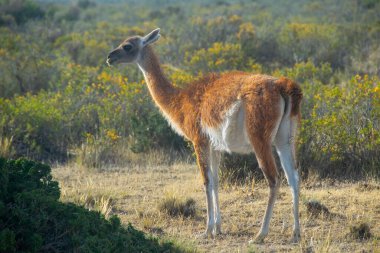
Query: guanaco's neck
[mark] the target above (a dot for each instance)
(162, 91)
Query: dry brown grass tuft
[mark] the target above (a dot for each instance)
(6, 149)
(102, 157)
(315, 208)
(366, 186)
(101, 203)
(174, 206)
(360, 232)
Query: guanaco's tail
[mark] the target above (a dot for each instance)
(291, 89)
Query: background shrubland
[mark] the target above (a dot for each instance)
(59, 100)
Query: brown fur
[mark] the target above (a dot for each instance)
(291, 89)
(207, 100)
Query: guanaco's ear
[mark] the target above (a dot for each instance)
(153, 36)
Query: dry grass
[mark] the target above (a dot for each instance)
(315, 208)
(360, 232)
(136, 194)
(99, 156)
(175, 206)
(6, 149)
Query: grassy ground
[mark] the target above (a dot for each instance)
(135, 195)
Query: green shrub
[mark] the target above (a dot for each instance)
(100, 151)
(91, 106)
(19, 11)
(24, 71)
(218, 57)
(33, 220)
(319, 42)
(36, 124)
(308, 72)
(340, 133)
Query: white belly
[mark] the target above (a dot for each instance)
(231, 135)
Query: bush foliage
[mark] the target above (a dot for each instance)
(58, 99)
(33, 220)
(340, 135)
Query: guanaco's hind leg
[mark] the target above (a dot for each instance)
(267, 164)
(284, 143)
(262, 124)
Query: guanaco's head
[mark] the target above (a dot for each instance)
(131, 49)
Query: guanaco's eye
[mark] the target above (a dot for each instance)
(127, 47)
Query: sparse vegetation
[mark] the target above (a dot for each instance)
(360, 232)
(137, 192)
(174, 206)
(315, 208)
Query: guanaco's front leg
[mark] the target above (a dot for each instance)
(203, 153)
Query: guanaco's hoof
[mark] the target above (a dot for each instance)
(296, 237)
(218, 231)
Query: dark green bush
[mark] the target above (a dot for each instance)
(33, 220)
(19, 11)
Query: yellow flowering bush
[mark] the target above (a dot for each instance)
(97, 114)
(301, 41)
(219, 57)
(340, 131)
